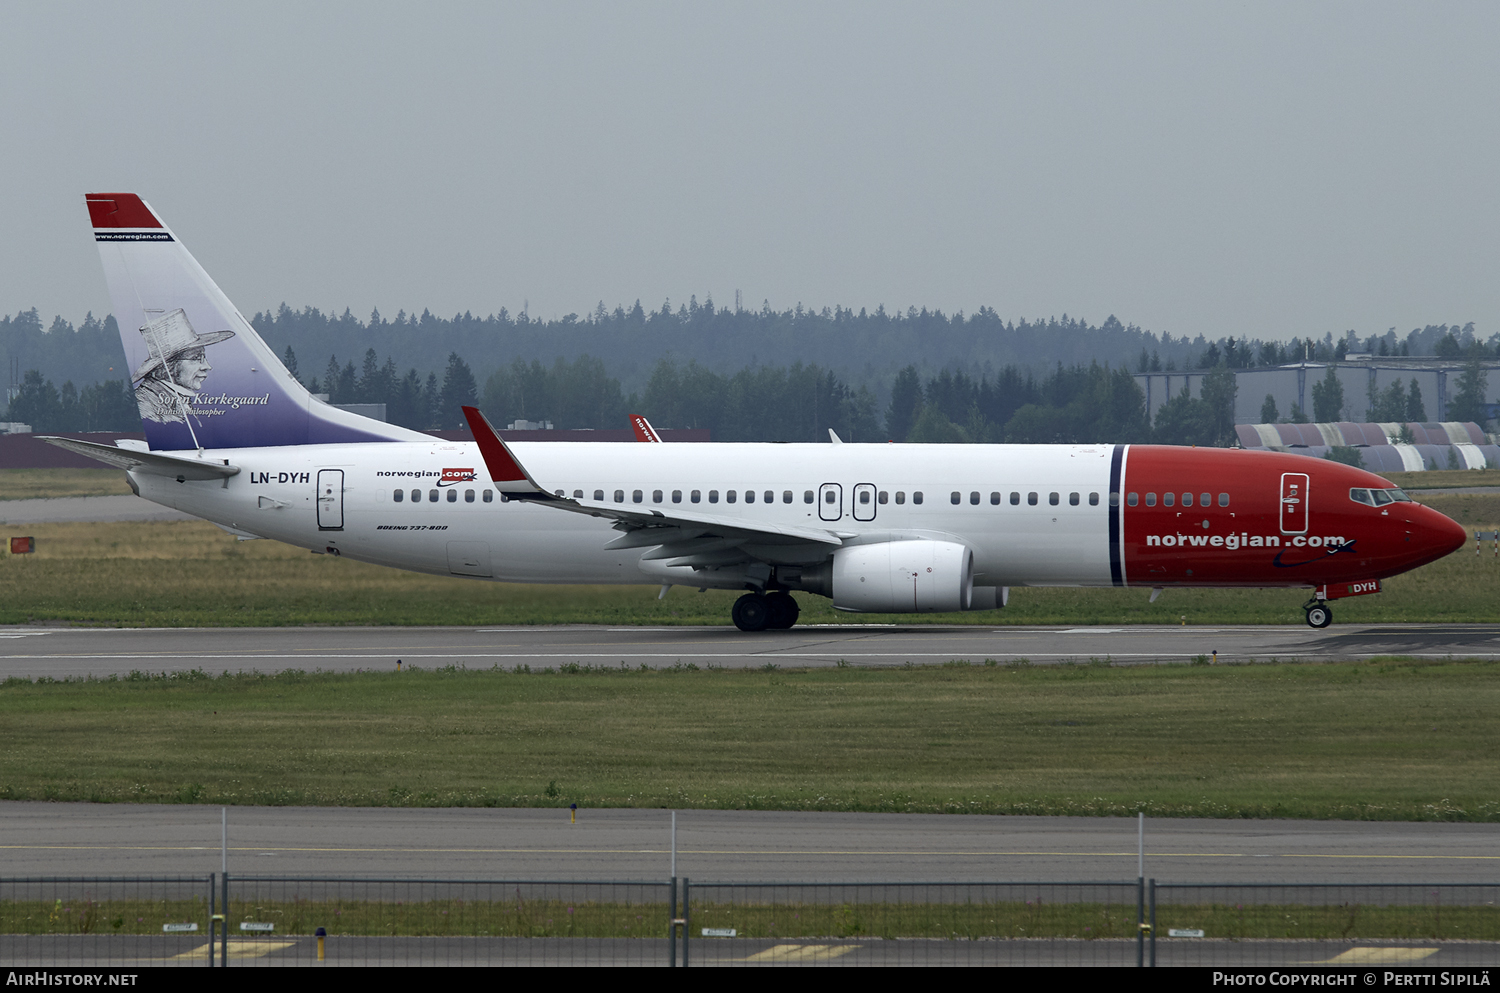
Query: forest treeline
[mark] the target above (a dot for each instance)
(862, 347)
(1051, 398)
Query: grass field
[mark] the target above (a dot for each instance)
(1385, 741)
(31, 484)
(190, 573)
(515, 917)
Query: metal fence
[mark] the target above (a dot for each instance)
(249, 921)
(1348, 924)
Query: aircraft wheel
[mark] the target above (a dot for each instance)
(751, 612)
(1319, 615)
(783, 611)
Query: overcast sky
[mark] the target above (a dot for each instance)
(1257, 169)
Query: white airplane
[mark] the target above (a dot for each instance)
(234, 438)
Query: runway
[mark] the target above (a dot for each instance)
(74, 839)
(34, 652)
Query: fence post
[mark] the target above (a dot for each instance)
(687, 931)
(1140, 921)
(213, 919)
(672, 926)
(1153, 923)
(224, 932)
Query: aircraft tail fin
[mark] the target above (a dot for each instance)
(202, 376)
(643, 429)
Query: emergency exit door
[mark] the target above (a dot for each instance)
(330, 499)
(1294, 487)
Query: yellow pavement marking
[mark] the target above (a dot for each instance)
(800, 953)
(1374, 956)
(730, 851)
(239, 948)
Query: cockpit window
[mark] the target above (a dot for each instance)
(1361, 496)
(1398, 495)
(1382, 497)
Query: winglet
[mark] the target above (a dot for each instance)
(643, 429)
(506, 471)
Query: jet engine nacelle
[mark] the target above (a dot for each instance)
(903, 577)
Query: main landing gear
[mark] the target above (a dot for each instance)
(1319, 614)
(765, 611)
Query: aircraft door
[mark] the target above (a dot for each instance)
(864, 502)
(330, 499)
(1294, 490)
(831, 502)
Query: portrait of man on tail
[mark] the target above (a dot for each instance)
(168, 382)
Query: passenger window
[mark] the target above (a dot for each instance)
(1223, 499)
(656, 496)
(1205, 499)
(676, 496)
(1187, 499)
(900, 496)
(1168, 499)
(770, 496)
(786, 496)
(884, 497)
(995, 499)
(578, 494)
(1052, 498)
(453, 496)
(728, 496)
(1072, 499)
(619, 496)
(807, 496)
(916, 496)
(1151, 499)
(1015, 498)
(749, 496)
(864, 497)
(696, 496)
(416, 496)
(558, 492)
(1131, 500)
(636, 496)
(398, 496)
(955, 498)
(1093, 499)
(1031, 498)
(713, 496)
(974, 498)
(829, 497)
(598, 494)
(489, 496)
(468, 496)
(432, 496)
(1114, 498)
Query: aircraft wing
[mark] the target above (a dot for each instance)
(682, 532)
(156, 463)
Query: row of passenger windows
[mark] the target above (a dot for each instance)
(1170, 499)
(434, 495)
(831, 496)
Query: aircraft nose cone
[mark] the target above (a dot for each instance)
(1440, 533)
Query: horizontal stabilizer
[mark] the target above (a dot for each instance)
(156, 463)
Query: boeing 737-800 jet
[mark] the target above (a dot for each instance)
(232, 437)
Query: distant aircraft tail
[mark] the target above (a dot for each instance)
(643, 429)
(202, 377)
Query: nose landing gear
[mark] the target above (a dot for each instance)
(762, 611)
(1319, 614)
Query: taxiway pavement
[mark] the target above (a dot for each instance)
(73, 839)
(33, 652)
